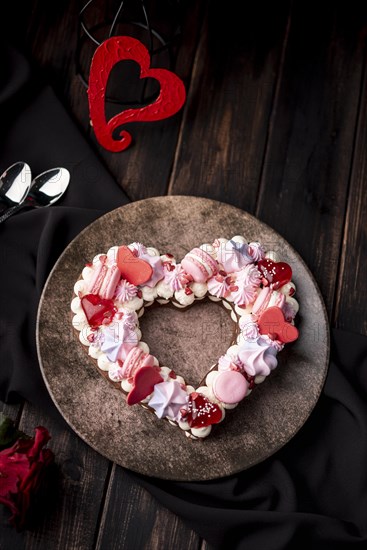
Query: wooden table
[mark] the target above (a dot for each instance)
(274, 123)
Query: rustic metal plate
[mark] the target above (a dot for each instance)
(187, 341)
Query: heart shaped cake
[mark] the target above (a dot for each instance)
(252, 284)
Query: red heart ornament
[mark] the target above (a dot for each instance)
(201, 412)
(272, 322)
(170, 100)
(98, 311)
(133, 269)
(143, 384)
(276, 273)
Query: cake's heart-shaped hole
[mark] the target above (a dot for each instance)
(189, 341)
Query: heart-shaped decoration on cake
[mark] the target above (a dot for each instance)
(133, 269)
(115, 289)
(277, 274)
(201, 412)
(143, 384)
(170, 100)
(98, 311)
(272, 322)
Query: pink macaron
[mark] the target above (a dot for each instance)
(98, 276)
(230, 387)
(200, 265)
(266, 298)
(135, 360)
(110, 282)
(104, 280)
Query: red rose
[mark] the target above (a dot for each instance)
(21, 471)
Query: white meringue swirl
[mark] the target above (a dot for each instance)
(258, 357)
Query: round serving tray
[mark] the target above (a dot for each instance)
(189, 342)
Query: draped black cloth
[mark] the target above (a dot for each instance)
(312, 492)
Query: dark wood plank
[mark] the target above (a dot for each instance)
(226, 118)
(70, 510)
(351, 305)
(143, 523)
(49, 26)
(304, 184)
(11, 411)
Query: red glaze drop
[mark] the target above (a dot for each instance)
(201, 412)
(276, 273)
(98, 311)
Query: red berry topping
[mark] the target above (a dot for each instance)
(172, 374)
(188, 291)
(170, 266)
(250, 379)
(89, 264)
(223, 273)
(98, 311)
(201, 412)
(169, 255)
(139, 294)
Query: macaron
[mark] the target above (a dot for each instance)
(200, 265)
(110, 282)
(104, 280)
(135, 360)
(97, 278)
(230, 386)
(266, 298)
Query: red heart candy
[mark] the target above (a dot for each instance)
(133, 269)
(170, 100)
(143, 384)
(201, 412)
(272, 322)
(98, 311)
(276, 273)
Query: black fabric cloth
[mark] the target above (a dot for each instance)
(36, 129)
(312, 492)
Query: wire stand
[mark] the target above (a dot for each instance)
(160, 32)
